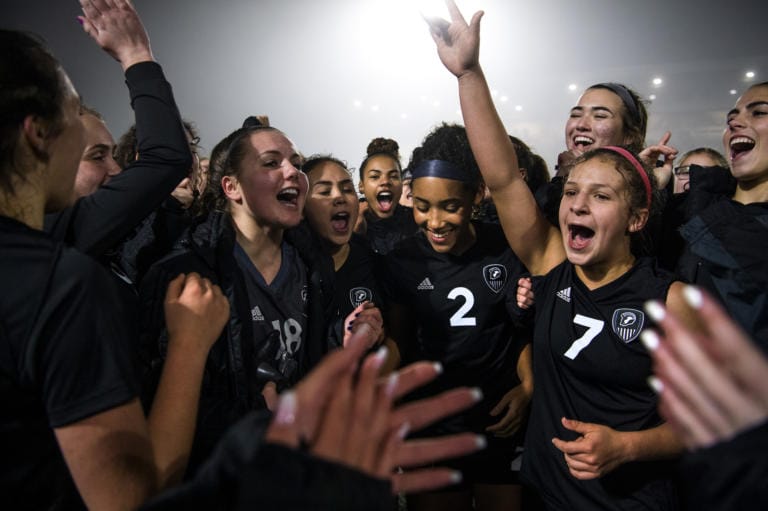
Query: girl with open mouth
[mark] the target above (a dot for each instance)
(595, 439)
(383, 221)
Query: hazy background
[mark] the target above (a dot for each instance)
(335, 73)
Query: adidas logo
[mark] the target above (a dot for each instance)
(256, 314)
(425, 285)
(565, 294)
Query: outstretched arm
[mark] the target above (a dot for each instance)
(536, 242)
(99, 221)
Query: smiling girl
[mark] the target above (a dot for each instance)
(595, 438)
(452, 289)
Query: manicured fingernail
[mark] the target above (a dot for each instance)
(403, 430)
(481, 442)
(655, 310)
(286, 409)
(380, 356)
(655, 384)
(392, 383)
(650, 340)
(79, 20)
(477, 394)
(438, 367)
(349, 326)
(456, 477)
(692, 295)
(357, 314)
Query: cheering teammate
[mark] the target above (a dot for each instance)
(452, 288)
(595, 439)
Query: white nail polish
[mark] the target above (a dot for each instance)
(392, 380)
(692, 296)
(456, 477)
(286, 409)
(438, 367)
(655, 310)
(477, 394)
(650, 340)
(655, 384)
(481, 442)
(380, 356)
(403, 430)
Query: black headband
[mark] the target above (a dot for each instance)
(441, 168)
(626, 98)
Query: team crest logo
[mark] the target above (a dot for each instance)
(627, 323)
(358, 295)
(304, 293)
(495, 276)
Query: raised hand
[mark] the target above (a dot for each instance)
(117, 29)
(458, 44)
(653, 154)
(712, 380)
(349, 418)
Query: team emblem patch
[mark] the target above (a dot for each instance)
(495, 276)
(358, 295)
(627, 323)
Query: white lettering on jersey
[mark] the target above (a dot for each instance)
(290, 335)
(594, 327)
(459, 318)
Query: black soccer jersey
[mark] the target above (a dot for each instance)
(463, 307)
(278, 311)
(589, 365)
(355, 283)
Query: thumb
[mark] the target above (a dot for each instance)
(283, 428)
(474, 24)
(574, 425)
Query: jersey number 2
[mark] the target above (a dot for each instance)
(594, 327)
(460, 318)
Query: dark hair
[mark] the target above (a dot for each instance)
(225, 160)
(31, 83)
(85, 109)
(641, 242)
(128, 146)
(537, 173)
(312, 162)
(714, 154)
(449, 142)
(380, 146)
(634, 116)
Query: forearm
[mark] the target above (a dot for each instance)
(101, 220)
(173, 416)
(525, 369)
(651, 444)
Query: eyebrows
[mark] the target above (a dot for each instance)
(581, 109)
(326, 182)
(750, 106)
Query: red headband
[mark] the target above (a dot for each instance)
(640, 170)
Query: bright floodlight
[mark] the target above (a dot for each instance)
(750, 74)
(657, 81)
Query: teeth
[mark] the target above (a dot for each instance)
(742, 140)
(583, 140)
(293, 192)
(385, 195)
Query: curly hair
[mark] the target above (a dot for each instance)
(380, 146)
(449, 142)
(127, 147)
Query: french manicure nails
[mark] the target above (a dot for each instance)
(655, 310)
(456, 477)
(650, 340)
(392, 383)
(438, 367)
(286, 409)
(403, 430)
(692, 295)
(477, 394)
(481, 442)
(655, 384)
